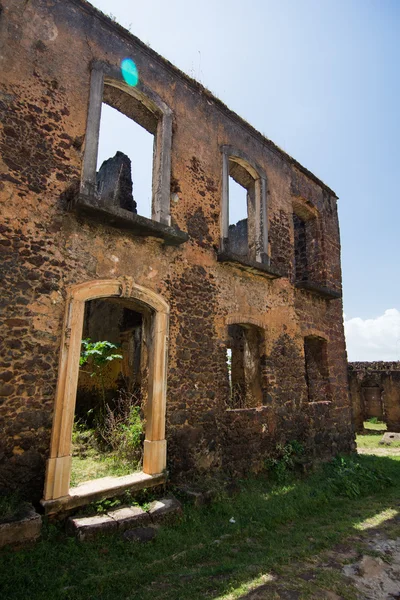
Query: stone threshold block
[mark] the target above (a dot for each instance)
(23, 528)
(123, 519)
(100, 489)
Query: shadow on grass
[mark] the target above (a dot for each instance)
(290, 588)
(206, 555)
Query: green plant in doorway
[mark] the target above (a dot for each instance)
(98, 355)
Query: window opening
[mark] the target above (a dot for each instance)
(317, 372)
(124, 163)
(244, 370)
(238, 220)
(241, 200)
(300, 248)
(229, 367)
(308, 248)
(108, 430)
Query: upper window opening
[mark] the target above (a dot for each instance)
(238, 220)
(241, 197)
(300, 248)
(124, 163)
(308, 255)
(127, 160)
(244, 216)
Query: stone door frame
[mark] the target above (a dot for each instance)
(58, 471)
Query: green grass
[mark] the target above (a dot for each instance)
(98, 464)
(89, 461)
(372, 442)
(204, 555)
(375, 425)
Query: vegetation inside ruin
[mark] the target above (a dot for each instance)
(256, 536)
(373, 441)
(108, 438)
(375, 424)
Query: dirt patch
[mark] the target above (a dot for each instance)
(378, 577)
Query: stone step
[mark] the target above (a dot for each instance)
(124, 518)
(23, 528)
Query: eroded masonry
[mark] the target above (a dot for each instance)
(230, 327)
(375, 393)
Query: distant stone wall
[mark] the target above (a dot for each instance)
(375, 392)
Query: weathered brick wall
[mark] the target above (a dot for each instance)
(383, 379)
(44, 97)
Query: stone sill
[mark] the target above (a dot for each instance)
(99, 489)
(318, 290)
(246, 264)
(88, 206)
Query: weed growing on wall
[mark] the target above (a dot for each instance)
(288, 458)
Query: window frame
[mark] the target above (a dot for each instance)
(258, 216)
(103, 74)
(253, 333)
(309, 215)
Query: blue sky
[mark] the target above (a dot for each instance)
(321, 79)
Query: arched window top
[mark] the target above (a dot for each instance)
(245, 320)
(147, 96)
(245, 161)
(304, 209)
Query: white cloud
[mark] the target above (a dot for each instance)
(374, 339)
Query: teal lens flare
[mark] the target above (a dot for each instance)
(129, 71)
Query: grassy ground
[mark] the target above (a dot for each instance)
(371, 442)
(91, 462)
(219, 552)
(97, 464)
(375, 425)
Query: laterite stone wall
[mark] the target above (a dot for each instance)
(47, 49)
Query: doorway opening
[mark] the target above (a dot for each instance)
(109, 423)
(123, 293)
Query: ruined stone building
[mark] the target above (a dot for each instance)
(233, 330)
(375, 393)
